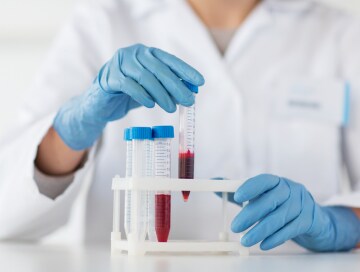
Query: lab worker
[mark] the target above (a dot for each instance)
(278, 94)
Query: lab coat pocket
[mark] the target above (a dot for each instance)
(305, 139)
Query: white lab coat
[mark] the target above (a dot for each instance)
(275, 103)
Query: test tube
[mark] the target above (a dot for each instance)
(187, 140)
(141, 139)
(162, 136)
(151, 196)
(128, 170)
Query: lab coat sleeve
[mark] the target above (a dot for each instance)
(52, 186)
(349, 59)
(78, 53)
(25, 213)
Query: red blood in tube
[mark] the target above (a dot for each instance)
(162, 216)
(186, 169)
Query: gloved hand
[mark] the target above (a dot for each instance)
(135, 76)
(286, 210)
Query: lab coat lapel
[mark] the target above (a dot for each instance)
(259, 19)
(263, 17)
(141, 8)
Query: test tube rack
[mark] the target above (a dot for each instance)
(222, 245)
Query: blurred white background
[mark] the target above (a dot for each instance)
(27, 28)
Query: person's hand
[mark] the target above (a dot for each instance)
(281, 210)
(134, 76)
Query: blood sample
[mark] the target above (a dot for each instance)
(162, 216)
(187, 140)
(186, 169)
(162, 168)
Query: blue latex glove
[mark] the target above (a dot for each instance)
(286, 210)
(135, 76)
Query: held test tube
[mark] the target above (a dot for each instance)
(141, 139)
(162, 168)
(187, 140)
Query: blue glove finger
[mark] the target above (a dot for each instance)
(131, 104)
(256, 186)
(283, 235)
(132, 68)
(168, 79)
(136, 92)
(113, 85)
(261, 207)
(179, 67)
(294, 228)
(277, 219)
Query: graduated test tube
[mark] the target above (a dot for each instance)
(162, 136)
(187, 140)
(151, 196)
(141, 139)
(128, 170)
(116, 204)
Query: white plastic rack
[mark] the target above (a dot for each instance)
(222, 245)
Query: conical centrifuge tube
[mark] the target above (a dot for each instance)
(162, 136)
(187, 140)
(141, 139)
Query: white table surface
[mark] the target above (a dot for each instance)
(52, 258)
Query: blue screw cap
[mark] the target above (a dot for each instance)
(140, 133)
(127, 134)
(163, 132)
(191, 87)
